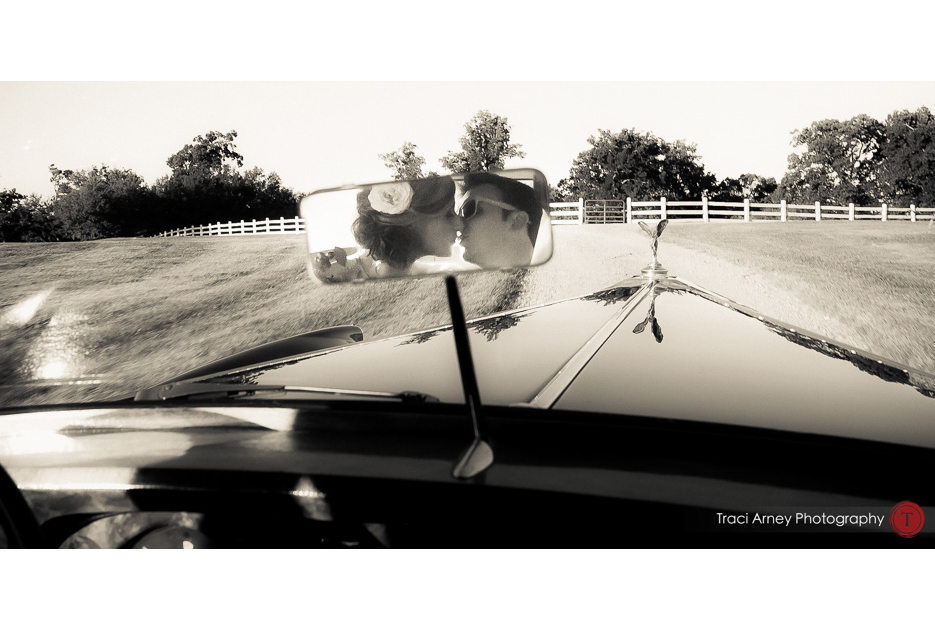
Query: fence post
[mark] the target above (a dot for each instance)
(818, 211)
(662, 209)
(783, 211)
(580, 210)
(912, 212)
(746, 210)
(850, 215)
(704, 209)
(885, 210)
(629, 210)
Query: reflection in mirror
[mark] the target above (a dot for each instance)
(448, 224)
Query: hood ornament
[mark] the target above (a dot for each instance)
(655, 270)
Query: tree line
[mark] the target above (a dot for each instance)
(861, 161)
(206, 185)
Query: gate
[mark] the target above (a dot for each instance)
(605, 211)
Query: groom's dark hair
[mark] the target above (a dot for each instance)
(515, 193)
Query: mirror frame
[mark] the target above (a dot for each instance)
(543, 249)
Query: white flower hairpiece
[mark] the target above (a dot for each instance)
(391, 198)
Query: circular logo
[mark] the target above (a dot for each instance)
(907, 519)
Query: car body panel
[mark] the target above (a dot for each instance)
(703, 358)
(514, 353)
(717, 364)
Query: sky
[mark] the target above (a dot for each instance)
(321, 134)
(316, 93)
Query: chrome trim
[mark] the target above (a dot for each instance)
(340, 392)
(553, 390)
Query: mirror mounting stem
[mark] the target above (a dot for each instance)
(478, 456)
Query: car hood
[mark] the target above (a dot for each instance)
(666, 349)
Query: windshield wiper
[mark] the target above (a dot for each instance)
(214, 391)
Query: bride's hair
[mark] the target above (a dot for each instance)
(392, 238)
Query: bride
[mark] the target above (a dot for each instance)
(402, 228)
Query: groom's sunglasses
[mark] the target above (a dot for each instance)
(470, 207)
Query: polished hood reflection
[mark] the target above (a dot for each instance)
(715, 363)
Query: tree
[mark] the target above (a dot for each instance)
(558, 195)
(484, 147)
(205, 186)
(758, 188)
(61, 180)
(265, 196)
(26, 219)
(839, 163)
(637, 165)
(404, 162)
(100, 202)
(210, 154)
(748, 186)
(907, 170)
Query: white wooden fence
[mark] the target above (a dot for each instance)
(236, 228)
(564, 216)
(614, 211)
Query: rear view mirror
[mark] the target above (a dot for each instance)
(433, 225)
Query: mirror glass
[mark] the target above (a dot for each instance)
(433, 225)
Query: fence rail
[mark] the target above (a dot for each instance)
(561, 213)
(616, 211)
(295, 225)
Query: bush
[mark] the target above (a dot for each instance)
(27, 219)
(100, 202)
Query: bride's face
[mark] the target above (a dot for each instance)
(438, 232)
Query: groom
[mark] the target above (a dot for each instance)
(504, 224)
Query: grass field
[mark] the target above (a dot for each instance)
(134, 312)
(144, 310)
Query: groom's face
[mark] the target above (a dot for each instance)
(486, 234)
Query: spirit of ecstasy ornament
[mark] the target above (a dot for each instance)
(655, 270)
